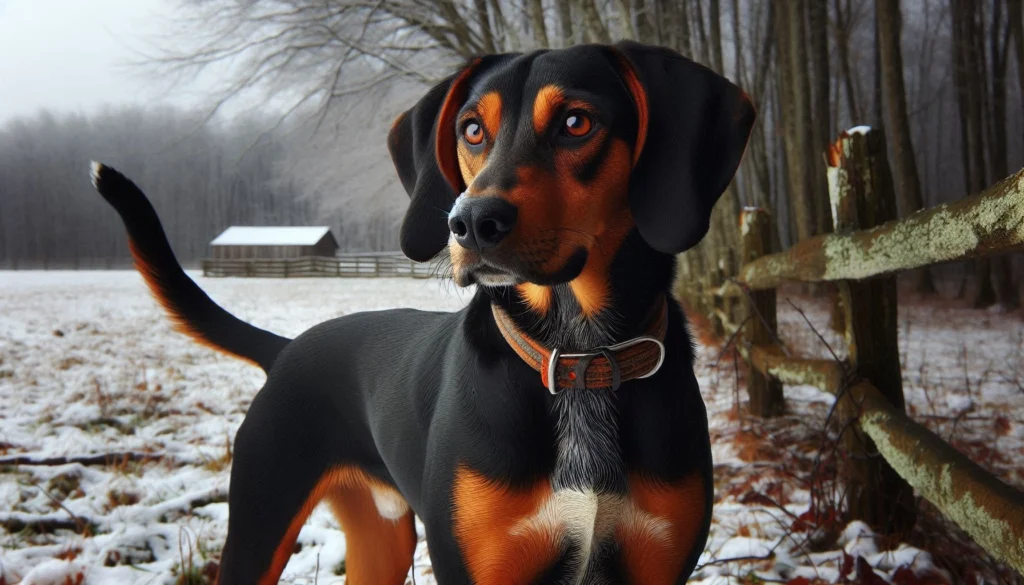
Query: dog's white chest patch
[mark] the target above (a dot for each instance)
(589, 520)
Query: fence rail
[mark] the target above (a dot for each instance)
(867, 248)
(988, 223)
(365, 265)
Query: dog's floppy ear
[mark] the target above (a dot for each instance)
(697, 126)
(422, 144)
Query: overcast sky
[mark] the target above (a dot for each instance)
(76, 55)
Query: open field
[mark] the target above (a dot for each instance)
(90, 367)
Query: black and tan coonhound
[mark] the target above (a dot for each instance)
(553, 430)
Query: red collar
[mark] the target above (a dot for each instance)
(602, 367)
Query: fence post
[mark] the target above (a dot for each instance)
(755, 239)
(862, 196)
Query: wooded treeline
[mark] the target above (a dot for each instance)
(201, 178)
(942, 78)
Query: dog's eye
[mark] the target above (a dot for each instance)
(473, 133)
(578, 124)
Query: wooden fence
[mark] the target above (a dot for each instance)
(887, 454)
(360, 265)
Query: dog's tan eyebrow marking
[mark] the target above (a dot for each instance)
(548, 101)
(489, 110)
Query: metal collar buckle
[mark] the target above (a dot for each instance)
(609, 354)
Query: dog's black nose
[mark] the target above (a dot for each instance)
(482, 222)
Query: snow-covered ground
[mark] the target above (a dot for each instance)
(90, 367)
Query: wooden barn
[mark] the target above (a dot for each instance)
(265, 242)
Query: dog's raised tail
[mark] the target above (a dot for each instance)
(190, 309)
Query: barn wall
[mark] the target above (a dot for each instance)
(325, 247)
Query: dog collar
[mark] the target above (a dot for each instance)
(602, 367)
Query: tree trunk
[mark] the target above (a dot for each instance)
(719, 248)
(540, 31)
(564, 21)
(969, 99)
(701, 53)
(645, 28)
(985, 295)
(728, 207)
(502, 37)
(1002, 275)
(484, 22)
(715, 28)
(891, 55)
(877, 108)
(842, 37)
(626, 28)
(758, 143)
(683, 42)
(818, 20)
(999, 43)
(595, 26)
(960, 65)
(794, 93)
(737, 43)
(821, 133)
(1017, 32)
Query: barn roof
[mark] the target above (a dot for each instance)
(270, 236)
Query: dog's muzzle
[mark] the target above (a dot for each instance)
(479, 223)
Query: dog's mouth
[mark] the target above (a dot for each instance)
(496, 269)
(486, 275)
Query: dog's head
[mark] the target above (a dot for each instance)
(534, 168)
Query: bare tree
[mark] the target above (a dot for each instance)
(715, 40)
(680, 23)
(310, 53)
(818, 28)
(565, 22)
(970, 80)
(843, 29)
(540, 32)
(794, 96)
(1017, 32)
(999, 44)
(821, 83)
(596, 28)
(909, 183)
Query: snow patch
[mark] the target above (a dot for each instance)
(117, 378)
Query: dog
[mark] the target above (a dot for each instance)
(552, 431)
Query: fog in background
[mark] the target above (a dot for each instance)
(276, 112)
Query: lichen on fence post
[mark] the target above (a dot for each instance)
(862, 196)
(990, 222)
(986, 508)
(755, 238)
